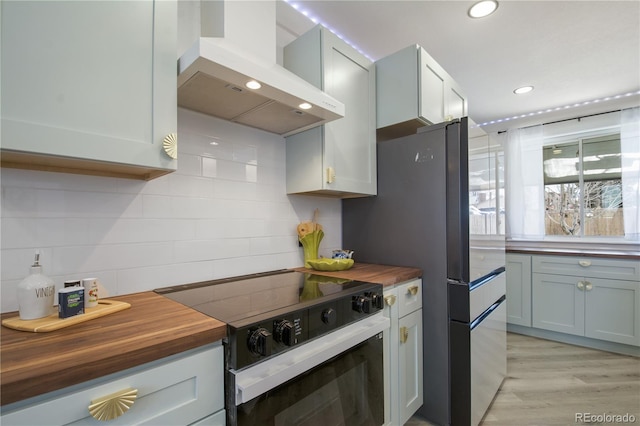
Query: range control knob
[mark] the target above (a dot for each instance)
(329, 316)
(376, 299)
(283, 332)
(361, 304)
(259, 342)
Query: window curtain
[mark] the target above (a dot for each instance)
(630, 147)
(524, 183)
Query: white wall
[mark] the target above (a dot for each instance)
(224, 213)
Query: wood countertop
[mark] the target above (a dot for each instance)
(153, 328)
(379, 274)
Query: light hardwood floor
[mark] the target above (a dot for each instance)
(550, 383)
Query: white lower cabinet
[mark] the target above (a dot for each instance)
(180, 390)
(403, 352)
(591, 297)
(519, 289)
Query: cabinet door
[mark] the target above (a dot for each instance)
(558, 303)
(433, 93)
(338, 158)
(455, 101)
(350, 143)
(612, 310)
(92, 83)
(519, 289)
(410, 365)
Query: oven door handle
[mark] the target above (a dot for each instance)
(254, 381)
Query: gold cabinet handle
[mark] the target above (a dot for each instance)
(404, 334)
(584, 263)
(331, 175)
(170, 145)
(588, 286)
(580, 285)
(390, 299)
(413, 290)
(114, 405)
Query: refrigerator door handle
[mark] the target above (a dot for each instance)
(488, 312)
(491, 275)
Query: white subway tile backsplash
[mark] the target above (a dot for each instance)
(190, 165)
(209, 167)
(18, 201)
(190, 186)
(18, 232)
(223, 213)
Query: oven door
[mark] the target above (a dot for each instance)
(346, 388)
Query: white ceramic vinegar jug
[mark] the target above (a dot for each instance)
(36, 293)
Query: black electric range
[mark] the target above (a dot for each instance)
(271, 312)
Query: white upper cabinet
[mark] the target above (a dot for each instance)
(89, 87)
(338, 158)
(413, 91)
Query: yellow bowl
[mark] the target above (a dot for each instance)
(326, 264)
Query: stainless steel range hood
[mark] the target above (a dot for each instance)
(214, 71)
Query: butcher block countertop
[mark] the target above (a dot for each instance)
(153, 328)
(379, 274)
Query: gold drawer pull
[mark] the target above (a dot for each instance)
(413, 290)
(113, 406)
(390, 299)
(584, 263)
(404, 334)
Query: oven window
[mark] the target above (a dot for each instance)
(346, 390)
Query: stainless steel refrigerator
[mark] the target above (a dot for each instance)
(439, 208)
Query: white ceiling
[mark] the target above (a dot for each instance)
(571, 51)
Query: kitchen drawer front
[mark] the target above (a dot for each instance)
(409, 297)
(217, 419)
(617, 269)
(177, 392)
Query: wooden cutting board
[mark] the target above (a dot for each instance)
(52, 322)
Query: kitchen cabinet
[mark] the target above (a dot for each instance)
(587, 296)
(182, 389)
(403, 351)
(89, 87)
(413, 91)
(519, 289)
(338, 158)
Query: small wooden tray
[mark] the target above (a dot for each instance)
(52, 322)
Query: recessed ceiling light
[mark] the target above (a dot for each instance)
(254, 85)
(305, 105)
(483, 8)
(523, 89)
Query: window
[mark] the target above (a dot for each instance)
(583, 187)
(575, 179)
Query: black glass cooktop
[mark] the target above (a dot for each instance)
(238, 299)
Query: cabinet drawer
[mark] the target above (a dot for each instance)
(217, 419)
(409, 297)
(617, 269)
(179, 391)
